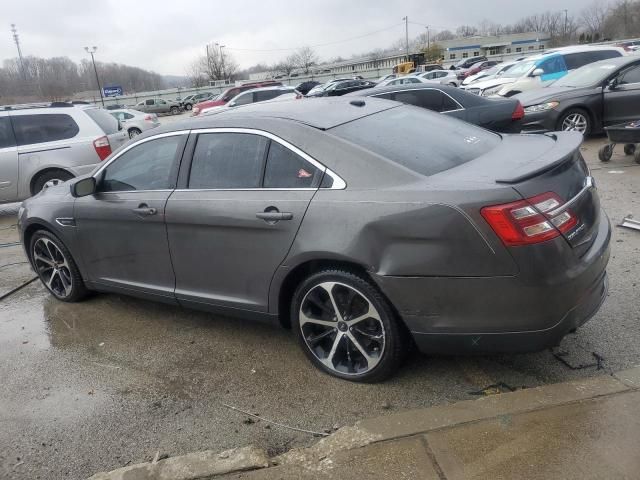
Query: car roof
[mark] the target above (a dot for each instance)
(320, 113)
(470, 99)
(582, 48)
(267, 89)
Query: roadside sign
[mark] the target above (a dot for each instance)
(114, 91)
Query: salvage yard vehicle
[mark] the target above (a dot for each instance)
(336, 89)
(159, 105)
(52, 142)
(502, 115)
(586, 100)
(255, 95)
(363, 224)
(135, 122)
(230, 93)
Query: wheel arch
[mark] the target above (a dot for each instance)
(286, 286)
(582, 107)
(44, 171)
(33, 226)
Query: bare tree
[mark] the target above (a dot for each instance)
(288, 65)
(466, 31)
(592, 18)
(443, 36)
(305, 58)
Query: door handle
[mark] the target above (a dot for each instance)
(144, 210)
(274, 216)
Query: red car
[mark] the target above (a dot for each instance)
(229, 93)
(475, 68)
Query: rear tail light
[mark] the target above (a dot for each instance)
(518, 113)
(298, 96)
(148, 118)
(103, 149)
(530, 221)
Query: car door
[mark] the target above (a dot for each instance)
(233, 219)
(8, 160)
(161, 106)
(621, 102)
(121, 228)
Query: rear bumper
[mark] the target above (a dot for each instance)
(519, 313)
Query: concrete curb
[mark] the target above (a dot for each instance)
(192, 466)
(382, 429)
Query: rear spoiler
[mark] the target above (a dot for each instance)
(565, 148)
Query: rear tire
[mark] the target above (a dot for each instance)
(368, 350)
(134, 132)
(188, 107)
(55, 267)
(54, 176)
(636, 157)
(175, 110)
(605, 153)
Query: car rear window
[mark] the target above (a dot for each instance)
(423, 141)
(106, 122)
(42, 128)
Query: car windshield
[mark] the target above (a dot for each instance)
(423, 141)
(519, 69)
(490, 71)
(587, 75)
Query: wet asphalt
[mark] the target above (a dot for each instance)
(111, 381)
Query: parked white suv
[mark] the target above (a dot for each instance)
(52, 143)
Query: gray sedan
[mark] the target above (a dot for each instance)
(364, 225)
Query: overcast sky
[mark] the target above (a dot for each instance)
(165, 36)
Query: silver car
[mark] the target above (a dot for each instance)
(159, 105)
(48, 143)
(364, 225)
(135, 122)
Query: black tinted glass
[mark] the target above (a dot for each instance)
(47, 127)
(631, 76)
(227, 160)
(425, 142)
(148, 166)
(430, 99)
(286, 169)
(7, 138)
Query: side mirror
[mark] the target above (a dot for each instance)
(232, 104)
(84, 187)
(613, 83)
(537, 72)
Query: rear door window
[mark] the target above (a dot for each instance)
(244, 99)
(46, 127)
(106, 122)
(419, 140)
(7, 138)
(287, 169)
(227, 161)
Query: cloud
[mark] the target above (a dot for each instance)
(165, 36)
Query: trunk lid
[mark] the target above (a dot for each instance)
(533, 165)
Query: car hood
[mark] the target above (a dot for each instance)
(493, 82)
(546, 94)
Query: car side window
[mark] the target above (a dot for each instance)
(127, 116)
(147, 166)
(7, 138)
(287, 169)
(161, 102)
(386, 96)
(267, 95)
(49, 127)
(630, 76)
(431, 99)
(244, 99)
(228, 160)
(148, 102)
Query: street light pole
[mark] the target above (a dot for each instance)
(222, 60)
(428, 39)
(406, 34)
(91, 51)
(565, 24)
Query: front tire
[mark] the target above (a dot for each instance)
(346, 327)
(175, 110)
(575, 120)
(55, 267)
(188, 107)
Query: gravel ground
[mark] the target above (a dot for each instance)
(110, 381)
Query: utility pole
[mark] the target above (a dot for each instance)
(406, 34)
(428, 39)
(91, 51)
(222, 60)
(565, 25)
(16, 39)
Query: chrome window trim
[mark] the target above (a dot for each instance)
(421, 90)
(338, 182)
(138, 142)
